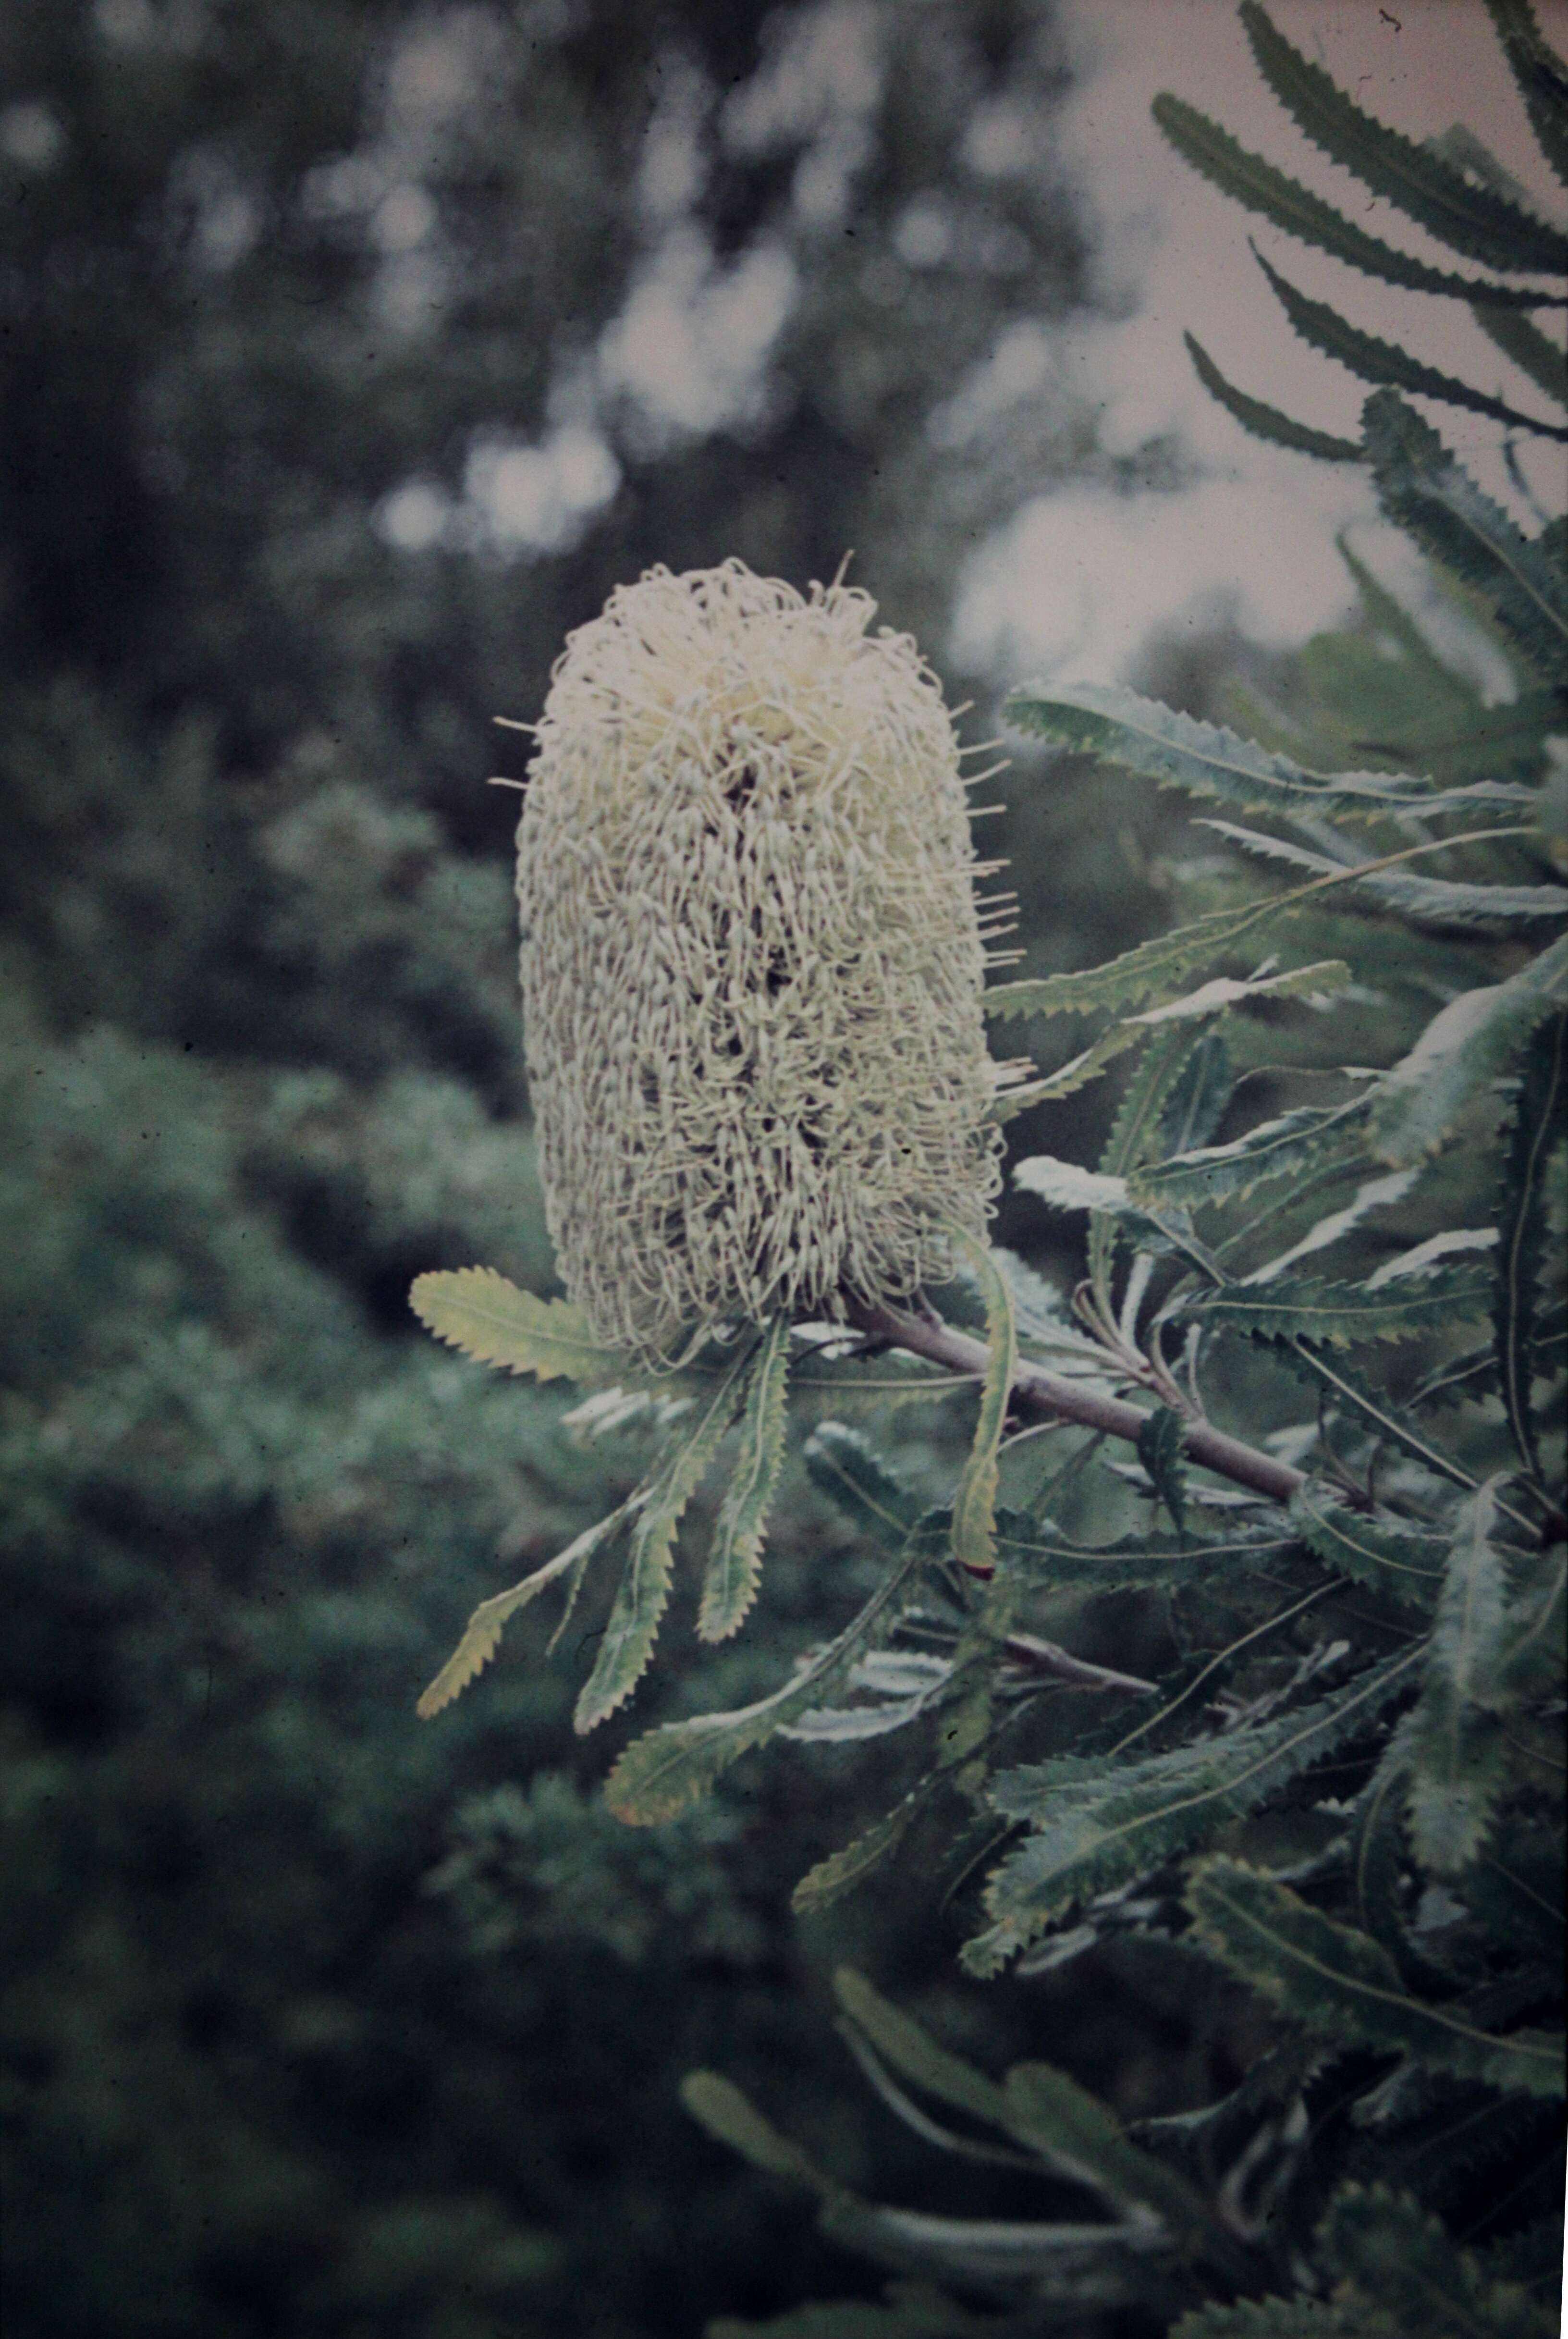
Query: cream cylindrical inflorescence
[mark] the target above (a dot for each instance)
(751, 961)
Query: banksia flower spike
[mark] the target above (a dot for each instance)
(751, 963)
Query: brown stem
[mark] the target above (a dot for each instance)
(1073, 1672)
(1041, 1393)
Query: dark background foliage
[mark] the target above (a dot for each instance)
(319, 2020)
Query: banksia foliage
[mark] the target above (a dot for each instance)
(751, 962)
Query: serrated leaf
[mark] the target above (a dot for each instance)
(1069, 1077)
(1536, 1126)
(856, 1382)
(1388, 365)
(849, 1471)
(1299, 1308)
(1167, 959)
(661, 1774)
(1321, 980)
(1454, 1740)
(1257, 183)
(1405, 1564)
(477, 1310)
(1161, 1448)
(1270, 422)
(628, 1638)
(1155, 742)
(1424, 489)
(1099, 1823)
(1374, 1407)
(1473, 1043)
(1341, 1984)
(734, 1559)
(1527, 347)
(482, 1633)
(1312, 1137)
(841, 1870)
(1438, 900)
(1403, 2265)
(974, 1503)
(1541, 77)
(1045, 1559)
(1477, 221)
(1195, 1105)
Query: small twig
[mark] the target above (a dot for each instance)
(1071, 1673)
(1039, 1394)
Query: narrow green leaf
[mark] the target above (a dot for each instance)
(1155, 742)
(1403, 2269)
(1161, 963)
(841, 1870)
(1388, 365)
(1269, 422)
(717, 2105)
(916, 2058)
(1528, 348)
(478, 1312)
(1161, 1448)
(1298, 1307)
(1099, 1823)
(1374, 1407)
(1319, 981)
(644, 1587)
(974, 1503)
(659, 1775)
(1403, 1563)
(1195, 1105)
(1475, 221)
(858, 1383)
(1473, 1043)
(1541, 75)
(1312, 1137)
(482, 1633)
(1340, 1983)
(1436, 900)
(1453, 1741)
(1256, 182)
(1076, 2136)
(1069, 1077)
(735, 1561)
(1042, 1558)
(1424, 490)
(853, 1475)
(1521, 1227)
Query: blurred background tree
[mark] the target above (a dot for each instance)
(351, 351)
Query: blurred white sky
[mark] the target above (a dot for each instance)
(1077, 582)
